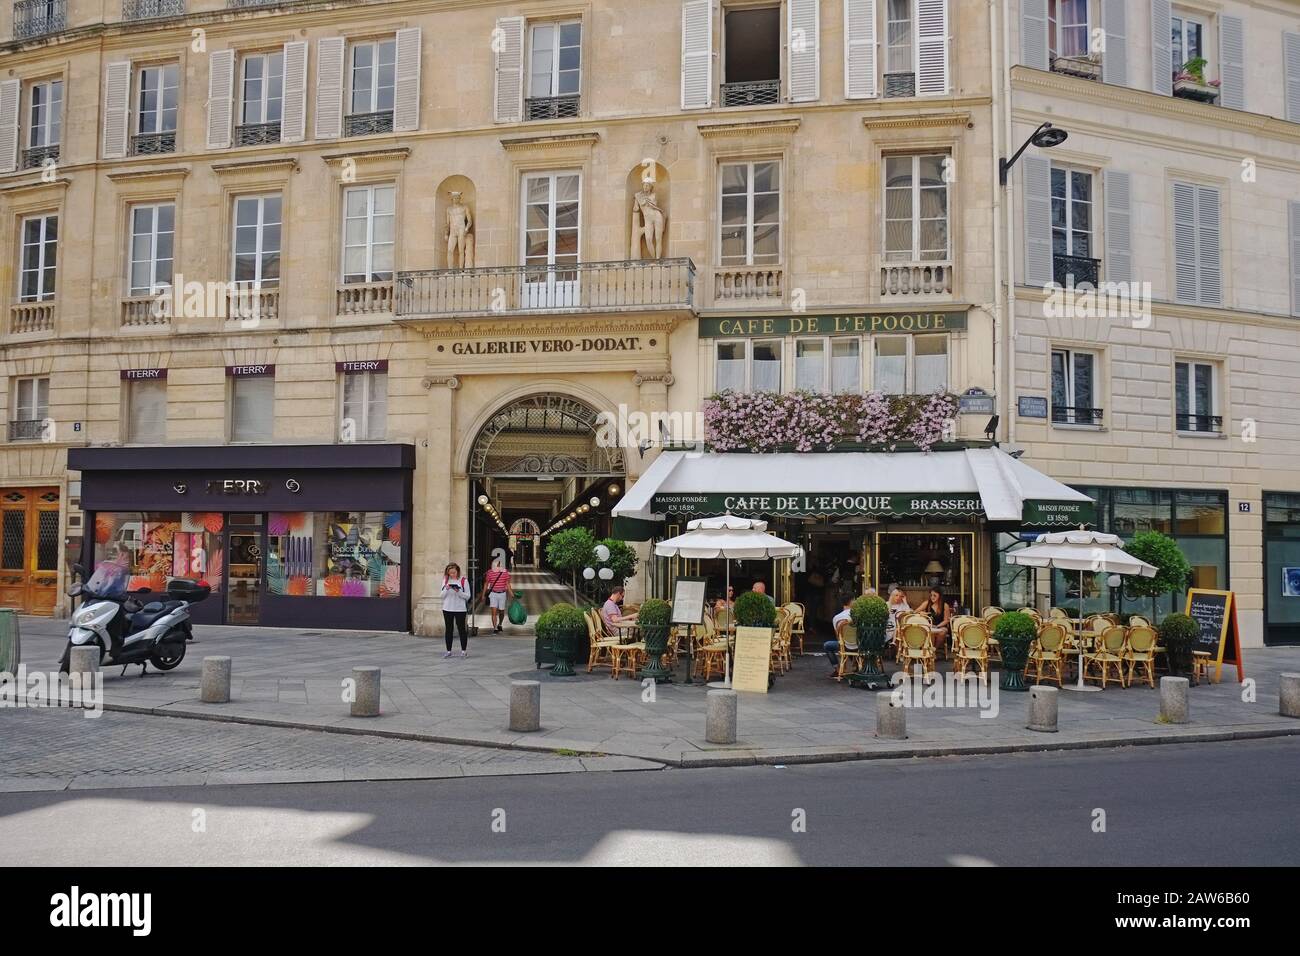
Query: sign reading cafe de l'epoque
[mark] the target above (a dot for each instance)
(862, 323)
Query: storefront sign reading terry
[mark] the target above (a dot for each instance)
(852, 324)
(244, 371)
(957, 505)
(143, 374)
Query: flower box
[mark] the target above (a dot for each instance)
(1190, 88)
(1088, 67)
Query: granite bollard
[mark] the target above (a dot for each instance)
(84, 660)
(1044, 705)
(1288, 694)
(366, 701)
(720, 726)
(1173, 699)
(891, 716)
(525, 706)
(214, 686)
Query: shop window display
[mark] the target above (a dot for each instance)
(335, 554)
(157, 547)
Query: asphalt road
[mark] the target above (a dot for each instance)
(1194, 805)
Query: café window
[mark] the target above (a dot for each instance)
(365, 406)
(336, 554)
(750, 217)
(149, 549)
(748, 366)
(146, 411)
(910, 364)
(1194, 398)
(252, 408)
(916, 208)
(1074, 388)
(828, 365)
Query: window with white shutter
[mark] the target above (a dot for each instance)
(802, 42)
(10, 93)
(1197, 271)
(117, 98)
(860, 48)
(221, 91)
(508, 89)
(293, 109)
(697, 54)
(406, 105)
(932, 47)
(1117, 187)
(1036, 178)
(1162, 64)
(329, 87)
(1114, 59)
(1033, 34)
(1291, 74)
(1232, 71)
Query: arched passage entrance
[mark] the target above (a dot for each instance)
(534, 462)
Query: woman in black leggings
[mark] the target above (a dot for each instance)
(455, 602)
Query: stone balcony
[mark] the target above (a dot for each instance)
(27, 317)
(587, 287)
(363, 298)
(746, 286)
(915, 279)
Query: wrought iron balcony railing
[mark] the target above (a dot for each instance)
(757, 93)
(1199, 423)
(1076, 415)
(367, 124)
(627, 286)
(38, 155)
(152, 144)
(28, 429)
(152, 9)
(900, 84)
(251, 3)
(257, 134)
(36, 18)
(1072, 271)
(551, 107)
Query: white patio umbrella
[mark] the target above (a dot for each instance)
(1081, 551)
(730, 537)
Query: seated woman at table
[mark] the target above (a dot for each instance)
(728, 603)
(940, 614)
(612, 614)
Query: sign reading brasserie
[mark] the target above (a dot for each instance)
(896, 505)
(848, 324)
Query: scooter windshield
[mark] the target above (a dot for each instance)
(109, 579)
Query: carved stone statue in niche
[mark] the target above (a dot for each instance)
(460, 235)
(647, 222)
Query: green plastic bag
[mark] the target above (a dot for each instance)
(516, 611)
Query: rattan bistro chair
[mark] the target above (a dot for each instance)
(918, 647)
(602, 643)
(1108, 655)
(1141, 649)
(973, 647)
(1047, 654)
(710, 651)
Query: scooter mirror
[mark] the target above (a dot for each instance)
(78, 571)
(74, 590)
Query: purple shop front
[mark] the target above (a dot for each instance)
(311, 536)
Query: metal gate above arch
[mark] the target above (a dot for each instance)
(543, 435)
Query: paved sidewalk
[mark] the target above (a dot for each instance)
(293, 678)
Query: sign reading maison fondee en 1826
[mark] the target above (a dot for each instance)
(1036, 514)
(846, 324)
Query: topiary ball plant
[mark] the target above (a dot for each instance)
(562, 625)
(1014, 632)
(655, 619)
(755, 610)
(1177, 632)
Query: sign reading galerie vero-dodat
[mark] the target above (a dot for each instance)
(860, 323)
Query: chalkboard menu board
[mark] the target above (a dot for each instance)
(1215, 614)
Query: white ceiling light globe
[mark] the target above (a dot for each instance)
(588, 574)
(602, 553)
(606, 574)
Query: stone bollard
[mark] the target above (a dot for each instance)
(1043, 708)
(214, 687)
(1173, 700)
(525, 706)
(84, 660)
(720, 727)
(366, 702)
(891, 716)
(1288, 704)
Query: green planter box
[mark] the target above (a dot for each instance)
(543, 653)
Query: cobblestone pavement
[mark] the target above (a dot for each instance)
(57, 748)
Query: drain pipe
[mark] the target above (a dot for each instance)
(1010, 232)
(996, 140)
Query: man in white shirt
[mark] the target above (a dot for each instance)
(832, 648)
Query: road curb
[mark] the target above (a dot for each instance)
(731, 757)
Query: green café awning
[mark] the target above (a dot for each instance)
(975, 482)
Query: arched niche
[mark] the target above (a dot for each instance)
(469, 197)
(662, 196)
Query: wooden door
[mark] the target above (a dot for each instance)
(29, 549)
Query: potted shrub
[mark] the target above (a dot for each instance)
(562, 626)
(1172, 569)
(870, 615)
(1190, 82)
(755, 610)
(1177, 632)
(654, 619)
(1014, 632)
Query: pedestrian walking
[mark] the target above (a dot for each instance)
(496, 586)
(455, 602)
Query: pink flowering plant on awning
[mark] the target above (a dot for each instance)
(808, 421)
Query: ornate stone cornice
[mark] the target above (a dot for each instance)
(550, 142)
(287, 163)
(548, 326)
(450, 381)
(32, 186)
(387, 152)
(918, 121)
(785, 127)
(148, 173)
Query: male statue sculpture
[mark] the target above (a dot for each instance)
(460, 237)
(647, 221)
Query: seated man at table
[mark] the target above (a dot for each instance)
(832, 648)
(761, 588)
(612, 614)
